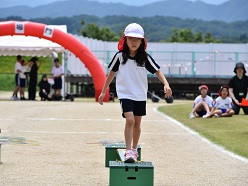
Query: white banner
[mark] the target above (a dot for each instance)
(19, 28)
(48, 32)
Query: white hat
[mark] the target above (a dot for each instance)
(134, 30)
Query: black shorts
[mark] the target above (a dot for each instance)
(201, 113)
(17, 80)
(23, 83)
(57, 83)
(137, 107)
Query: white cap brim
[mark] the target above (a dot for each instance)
(134, 35)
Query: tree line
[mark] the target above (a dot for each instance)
(157, 28)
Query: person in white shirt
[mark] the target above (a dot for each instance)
(57, 73)
(23, 79)
(202, 104)
(223, 106)
(18, 70)
(130, 66)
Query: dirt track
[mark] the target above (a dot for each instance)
(60, 143)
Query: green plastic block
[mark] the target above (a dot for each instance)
(133, 174)
(111, 154)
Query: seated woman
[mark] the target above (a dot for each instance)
(44, 88)
(223, 105)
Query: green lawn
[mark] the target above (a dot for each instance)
(230, 133)
(7, 74)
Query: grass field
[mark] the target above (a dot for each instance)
(230, 133)
(7, 66)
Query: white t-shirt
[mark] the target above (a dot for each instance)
(24, 69)
(207, 99)
(18, 66)
(131, 79)
(57, 71)
(226, 103)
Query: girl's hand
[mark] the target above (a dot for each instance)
(100, 98)
(167, 91)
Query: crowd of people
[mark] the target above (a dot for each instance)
(229, 101)
(26, 76)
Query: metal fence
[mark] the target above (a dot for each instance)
(181, 64)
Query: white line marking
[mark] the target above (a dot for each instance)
(89, 132)
(217, 147)
(73, 119)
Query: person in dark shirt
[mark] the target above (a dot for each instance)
(33, 78)
(44, 88)
(238, 86)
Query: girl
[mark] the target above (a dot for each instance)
(57, 73)
(202, 104)
(223, 104)
(130, 65)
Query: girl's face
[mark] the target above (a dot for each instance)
(224, 93)
(44, 78)
(57, 64)
(133, 44)
(204, 92)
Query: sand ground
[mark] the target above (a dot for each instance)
(62, 143)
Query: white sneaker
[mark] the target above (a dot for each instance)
(206, 115)
(191, 116)
(130, 156)
(14, 98)
(135, 153)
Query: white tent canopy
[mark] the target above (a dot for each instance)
(29, 45)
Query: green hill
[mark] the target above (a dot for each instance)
(157, 28)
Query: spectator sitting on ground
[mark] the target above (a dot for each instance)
(238, 86)
(44, 88)
(202, 104)
(223, 104)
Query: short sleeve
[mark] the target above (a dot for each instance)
(115, 63)
(151, 65)
(61, 70)
(231, 83)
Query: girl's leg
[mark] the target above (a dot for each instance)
(136, 131)
(129, 129)
(59, 92)
(228, 113)
(205, 105)
(196, 108)
(219, 112)
(22, 92)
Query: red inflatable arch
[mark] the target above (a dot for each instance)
(66, 40)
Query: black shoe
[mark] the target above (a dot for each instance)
(23, 98)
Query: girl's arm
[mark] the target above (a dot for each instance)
(167, 89)
(109, 79)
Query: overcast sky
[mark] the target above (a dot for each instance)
(32, 3)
